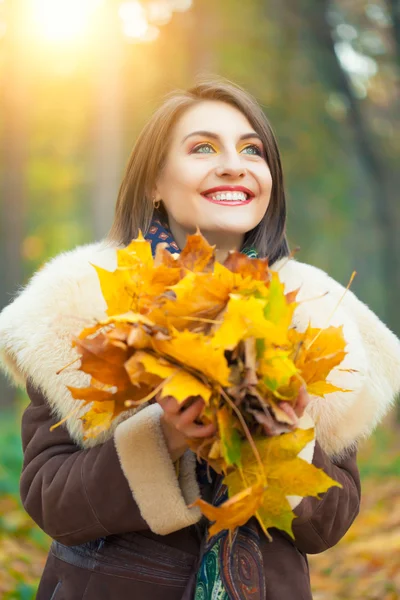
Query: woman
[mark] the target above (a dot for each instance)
(115, 507)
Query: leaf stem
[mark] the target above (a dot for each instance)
(247, 433)
(73, 412)
(334, 310)
(150, 396)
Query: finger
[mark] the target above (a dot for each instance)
(199, 431)
(190, 414)
(169, 405)
(289, 410)
(303, 399)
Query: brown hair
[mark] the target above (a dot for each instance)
(134, 209)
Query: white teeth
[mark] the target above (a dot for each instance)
(229, 196)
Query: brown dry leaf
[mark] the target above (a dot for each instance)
(104, 359)
(197, 255)
(255, 268)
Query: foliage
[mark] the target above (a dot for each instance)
(186, 326)
(22, 545)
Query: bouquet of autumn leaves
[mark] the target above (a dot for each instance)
(186, 326)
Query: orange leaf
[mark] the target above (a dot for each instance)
(234, 512)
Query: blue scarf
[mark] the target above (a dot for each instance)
(160, 232)
(215, 578)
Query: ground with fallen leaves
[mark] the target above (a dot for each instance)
(365, 565)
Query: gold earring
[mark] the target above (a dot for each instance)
(156, 203)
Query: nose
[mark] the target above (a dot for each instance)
(231, 167)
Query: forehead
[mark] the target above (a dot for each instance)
(216, 116)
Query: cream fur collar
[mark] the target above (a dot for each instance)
(64, 296)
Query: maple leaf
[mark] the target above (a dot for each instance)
(138, 252)
(135, 281)
(180, 384)
(256, 268)
(104, 359)
(98, 419)
(286, 474)
(233, 512)
(186, 326)
(231, 443)
(244, 317)
(197, 352)
(197, 255)
(187, 303)
(317, 352)
(276, 368)
(279, 309)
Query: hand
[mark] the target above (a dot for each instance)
(178, 424)
(296, 410)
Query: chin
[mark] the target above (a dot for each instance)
(230, 227)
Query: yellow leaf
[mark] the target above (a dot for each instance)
(195, 297)
(275, 511)
(279, 309)
(180, 384)
(138, 252)
(98, 419)
(286, 475)
(243, 318)
(323, 387)
(116, 290)
(195, 351)
(300, 478)
(276, 368)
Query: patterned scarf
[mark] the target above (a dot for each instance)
(160, 232)
(220, 564)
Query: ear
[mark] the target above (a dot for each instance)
(155, 194)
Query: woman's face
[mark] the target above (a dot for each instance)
(215, 177)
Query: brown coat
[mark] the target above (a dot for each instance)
(114, 506)
(104, 548)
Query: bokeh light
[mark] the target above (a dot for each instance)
(62, 20)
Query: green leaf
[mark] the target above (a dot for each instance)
(231, 443)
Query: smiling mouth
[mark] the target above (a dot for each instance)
(229, 198)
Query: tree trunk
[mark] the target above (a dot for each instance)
(394, 10)
(313, 15)
(107, 123)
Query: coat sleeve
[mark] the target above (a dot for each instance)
(321, 523)
(126, 484)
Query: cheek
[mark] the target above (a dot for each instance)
(181, 177)
(265, 181)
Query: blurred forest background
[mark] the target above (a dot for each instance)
(79, 78)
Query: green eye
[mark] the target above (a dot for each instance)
(255, 150)
(204, 149)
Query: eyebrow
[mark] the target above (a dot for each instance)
(245, 136)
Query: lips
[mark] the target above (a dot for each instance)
(228, 188)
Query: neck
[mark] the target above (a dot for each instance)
(223, 242)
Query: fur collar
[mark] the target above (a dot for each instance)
(64, 296)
